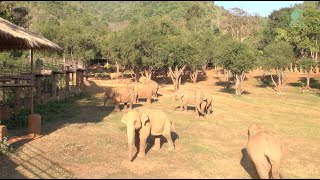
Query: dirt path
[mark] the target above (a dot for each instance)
(91, 143)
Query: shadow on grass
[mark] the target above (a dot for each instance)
(232, 91)
(248, 165)
(60, 113)
(314, 83)
(150, 142)
(45, 168)
(8, 169)
(151, 139)
(265, 81)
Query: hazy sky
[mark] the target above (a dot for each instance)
(263, 8)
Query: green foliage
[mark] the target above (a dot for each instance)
(137, 10)
(48, 111)
(4, 146)
(236, 57)
(298, 25)
(278, 54)
(278, 20)
(306, 63)
(17, 121)
(15, 13)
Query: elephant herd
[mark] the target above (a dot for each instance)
(263, 147)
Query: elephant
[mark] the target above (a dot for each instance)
(153, 84)
(265, 151)
(145, 122)
(206, 105)
(194, 97)
(116, 75)
(120, 94)
(141, 90)
(142, 79)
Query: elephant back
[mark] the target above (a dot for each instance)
(135, 86)
(263, 140)
(157, 119)
(189, 96)
(124, 93)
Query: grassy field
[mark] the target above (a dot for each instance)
(92, 142)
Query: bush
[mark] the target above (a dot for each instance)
(4, 147)
(47, 111)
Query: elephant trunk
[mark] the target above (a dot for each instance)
(174, 102)
(201, 111)
(131, 139)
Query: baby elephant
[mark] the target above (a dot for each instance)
(265, 150)
(146, 121)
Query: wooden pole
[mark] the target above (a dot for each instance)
(32, 79)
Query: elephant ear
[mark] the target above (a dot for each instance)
(112, 93)
(145, 119)
(124, 118)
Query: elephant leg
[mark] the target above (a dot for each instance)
(210, 109)
(169, 139)
(116, 107)
(143, 138)
(181, 107)
(185, 107)
(125, 105)
(156, 145)
(104, 100)
(262, 168)
(275, 169)
(149, 100)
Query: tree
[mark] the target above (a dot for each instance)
(278, 21)
(239, 59)
(177, 53)
(15, 13)
(307, 64)
(241, 24)
(204, 45)
(277, 56)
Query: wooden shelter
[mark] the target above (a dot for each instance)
(15, 37)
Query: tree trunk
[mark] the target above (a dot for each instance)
(238, 85)
(166, 76)
(308, 80)
(176, 76)
(274, 83)
(118, 67)
(300, 70)
(136, 72)
(226, 75)
(179, 82)
(194, 76)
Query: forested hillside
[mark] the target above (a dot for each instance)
(159, 35)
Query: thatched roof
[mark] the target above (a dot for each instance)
(15, 37)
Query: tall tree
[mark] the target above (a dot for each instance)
(277, 56)
(239, 59)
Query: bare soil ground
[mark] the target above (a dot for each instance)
(91, 142)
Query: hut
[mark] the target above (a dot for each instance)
(15, 37)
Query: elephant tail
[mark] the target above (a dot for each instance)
(173, 129)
